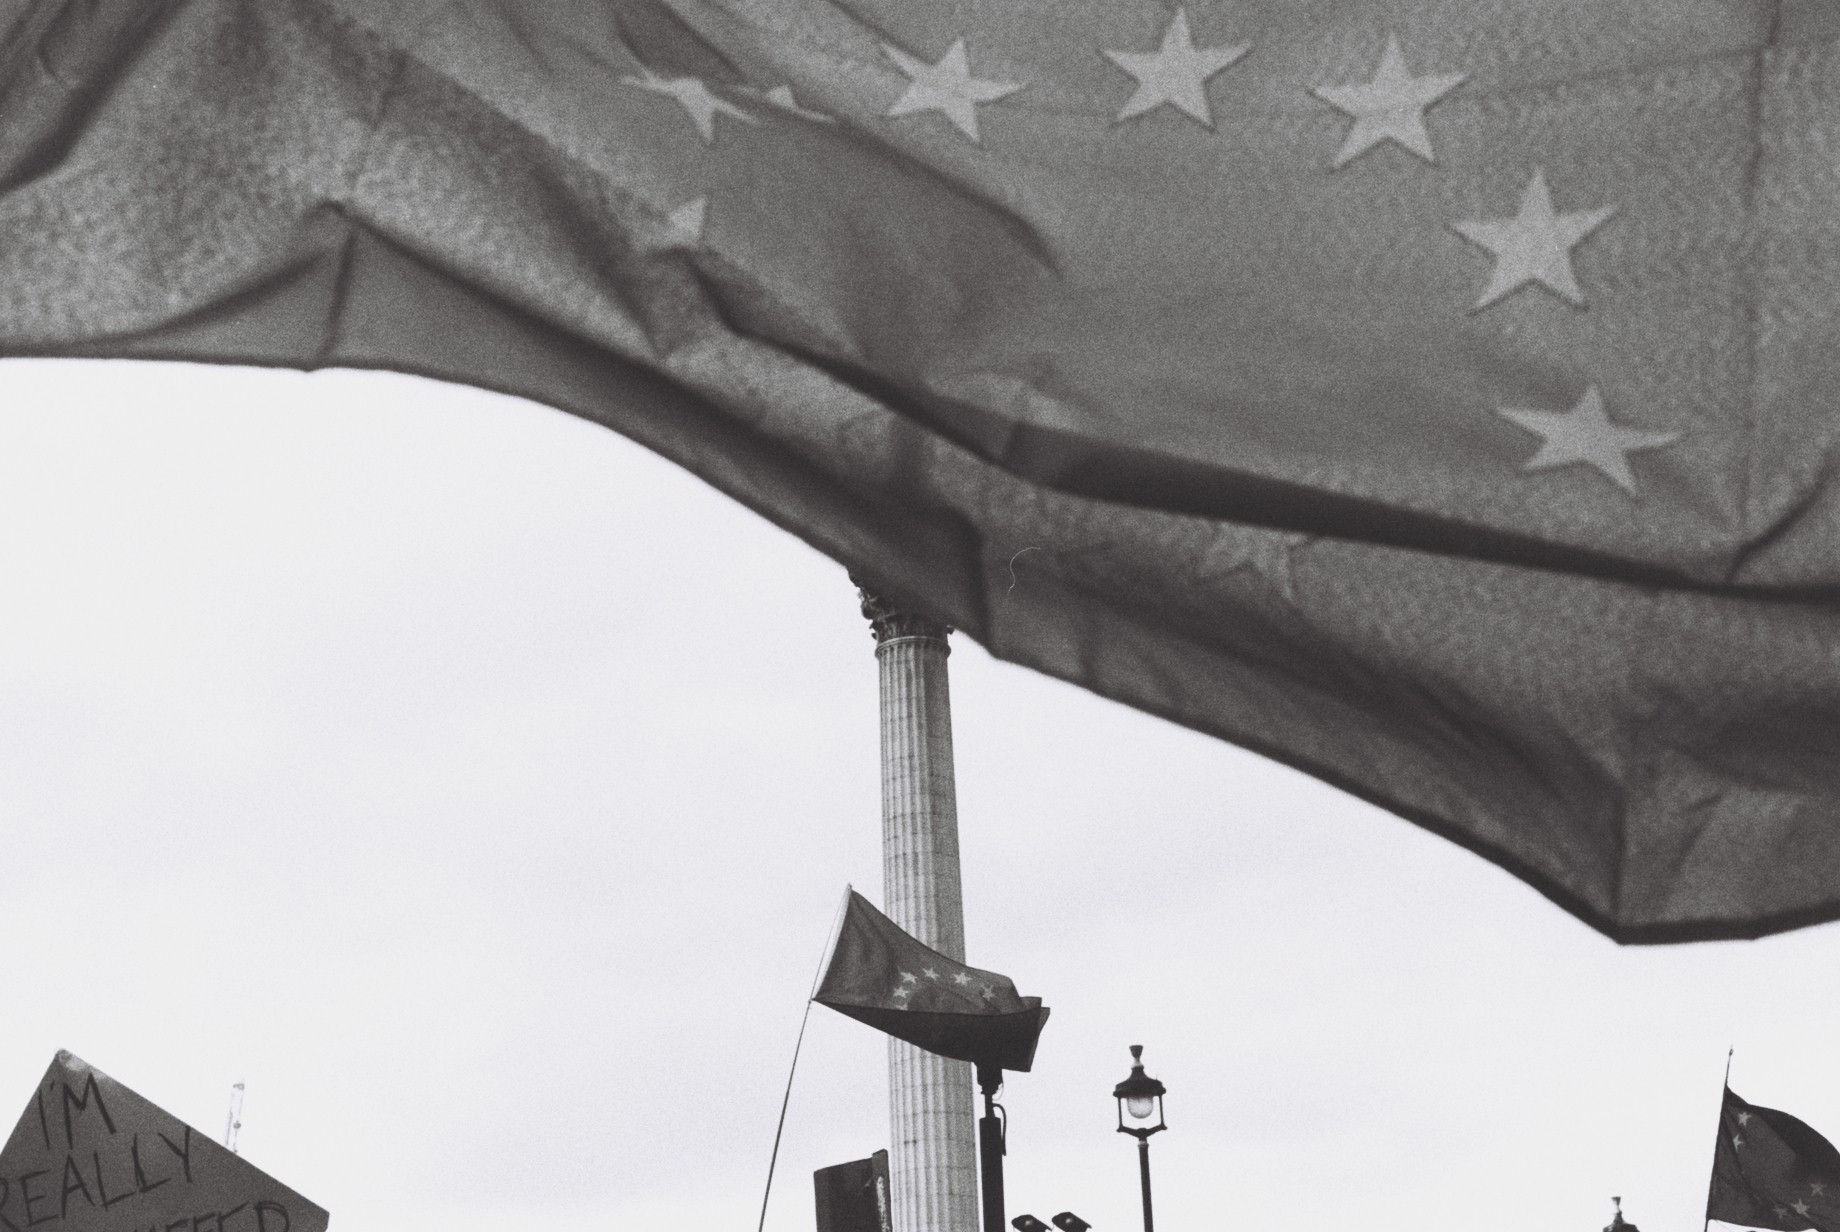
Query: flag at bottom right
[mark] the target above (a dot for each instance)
(1770, 1170)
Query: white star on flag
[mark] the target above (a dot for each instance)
(1817, 1187)
(961, 979)
(695, 98)
(683, 226)
(930, 974)
(946, 87)
(1390, 107)
(908, 977)
(1744, 1118)
(1265, 553)
(1585, 434)
(1535, 245)
(1799, 1207)
(1176, 73)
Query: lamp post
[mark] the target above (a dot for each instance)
(1140, 1097)
(1617, 1222)
(1066, 1221)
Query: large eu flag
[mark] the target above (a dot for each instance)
(1437, 398)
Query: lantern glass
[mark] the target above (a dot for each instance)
(1140, 1106)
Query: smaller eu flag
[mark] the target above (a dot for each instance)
(881, 975)
(1771, 1170)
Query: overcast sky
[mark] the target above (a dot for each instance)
(480, 790)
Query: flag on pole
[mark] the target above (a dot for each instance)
(1770, 1170)
(880, 974)
(1432, 397)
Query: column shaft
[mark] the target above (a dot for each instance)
(932, 1110)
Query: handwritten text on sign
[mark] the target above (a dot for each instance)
(89, 1155)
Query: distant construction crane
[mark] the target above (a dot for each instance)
(234, 1121)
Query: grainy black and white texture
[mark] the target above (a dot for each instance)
(1429, 396)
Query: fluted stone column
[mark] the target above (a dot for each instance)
(932, 1158)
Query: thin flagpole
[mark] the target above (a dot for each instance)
(1706, 1226)
(786, 1099)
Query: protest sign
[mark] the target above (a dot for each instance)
(89, 1155)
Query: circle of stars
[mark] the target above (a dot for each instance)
(1532, 250)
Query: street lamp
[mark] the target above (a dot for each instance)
(1066, 1221)
(1139, 1098)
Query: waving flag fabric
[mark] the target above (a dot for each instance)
(1435, 397)
(1770, 1170)
(880, 974)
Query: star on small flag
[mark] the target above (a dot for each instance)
(1800, 1207)
(683, 226)
(695, 98)
(1176, 73)
(946, 87)
(988, 991)
(1817, 1187)
(1390, 107)
(1585, 434)
(908, 977)
(961, 979)
(930, 974)
(1535, 245)
(1744, 1118)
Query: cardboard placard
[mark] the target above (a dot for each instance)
(89, 1155)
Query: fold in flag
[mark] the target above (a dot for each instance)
(1770, 1170)
(1433, 397)
(881, 975)
(89, 1155)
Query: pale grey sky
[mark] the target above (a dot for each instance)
(480, 789)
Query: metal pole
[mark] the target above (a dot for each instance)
(234, 1122)
(990, 1148)
(1706, 1224)
(1143, 1169)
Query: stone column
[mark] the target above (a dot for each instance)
(932, 1157)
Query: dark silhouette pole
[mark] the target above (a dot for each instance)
(990, 1148)
(1143, 1172)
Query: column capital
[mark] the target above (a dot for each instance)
(888, 620)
